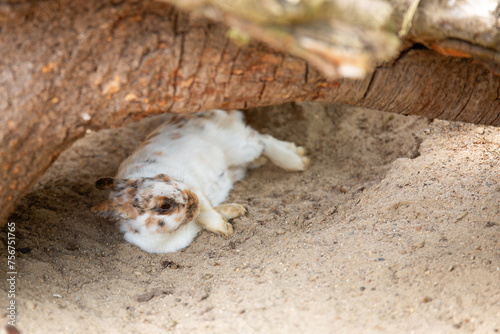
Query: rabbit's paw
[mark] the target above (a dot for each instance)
(285, 154)
(210, 219)
(230, 211)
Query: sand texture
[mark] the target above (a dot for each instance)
(394, 228)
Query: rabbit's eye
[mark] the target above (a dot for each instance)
(166, 206)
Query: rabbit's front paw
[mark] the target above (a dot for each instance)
(212, 220)
(216, 224)
(229, 230)
(230, 211)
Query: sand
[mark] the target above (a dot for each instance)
(394, 228)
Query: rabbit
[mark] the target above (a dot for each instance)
(173, 185)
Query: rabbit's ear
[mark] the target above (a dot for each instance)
(107, 183)
(106, 208)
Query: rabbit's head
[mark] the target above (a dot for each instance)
(156, 204)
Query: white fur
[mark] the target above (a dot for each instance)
(205, 153)
(164, 243)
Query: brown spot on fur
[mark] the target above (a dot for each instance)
(137, 206)
(158, 153)
(127, 211)
(132, 230)
(132, 183)
(163, 177)
(151, 221)
(132, 191)
(105, 207)
(179, 118)
(120, 199)
(145, 143)
(192, 206)
(131, 206)
(147, 196)
(152, 135)
(175, 136)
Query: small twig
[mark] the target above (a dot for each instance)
(461, 217)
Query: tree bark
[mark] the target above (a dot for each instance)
(74, 65)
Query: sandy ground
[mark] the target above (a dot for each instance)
(394, 228)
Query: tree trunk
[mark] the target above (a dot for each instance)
(74, 65)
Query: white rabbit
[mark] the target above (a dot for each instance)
(174, 183)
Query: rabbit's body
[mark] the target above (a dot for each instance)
(166, 191)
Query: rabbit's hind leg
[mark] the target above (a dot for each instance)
(259, 162)
(285, 154)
